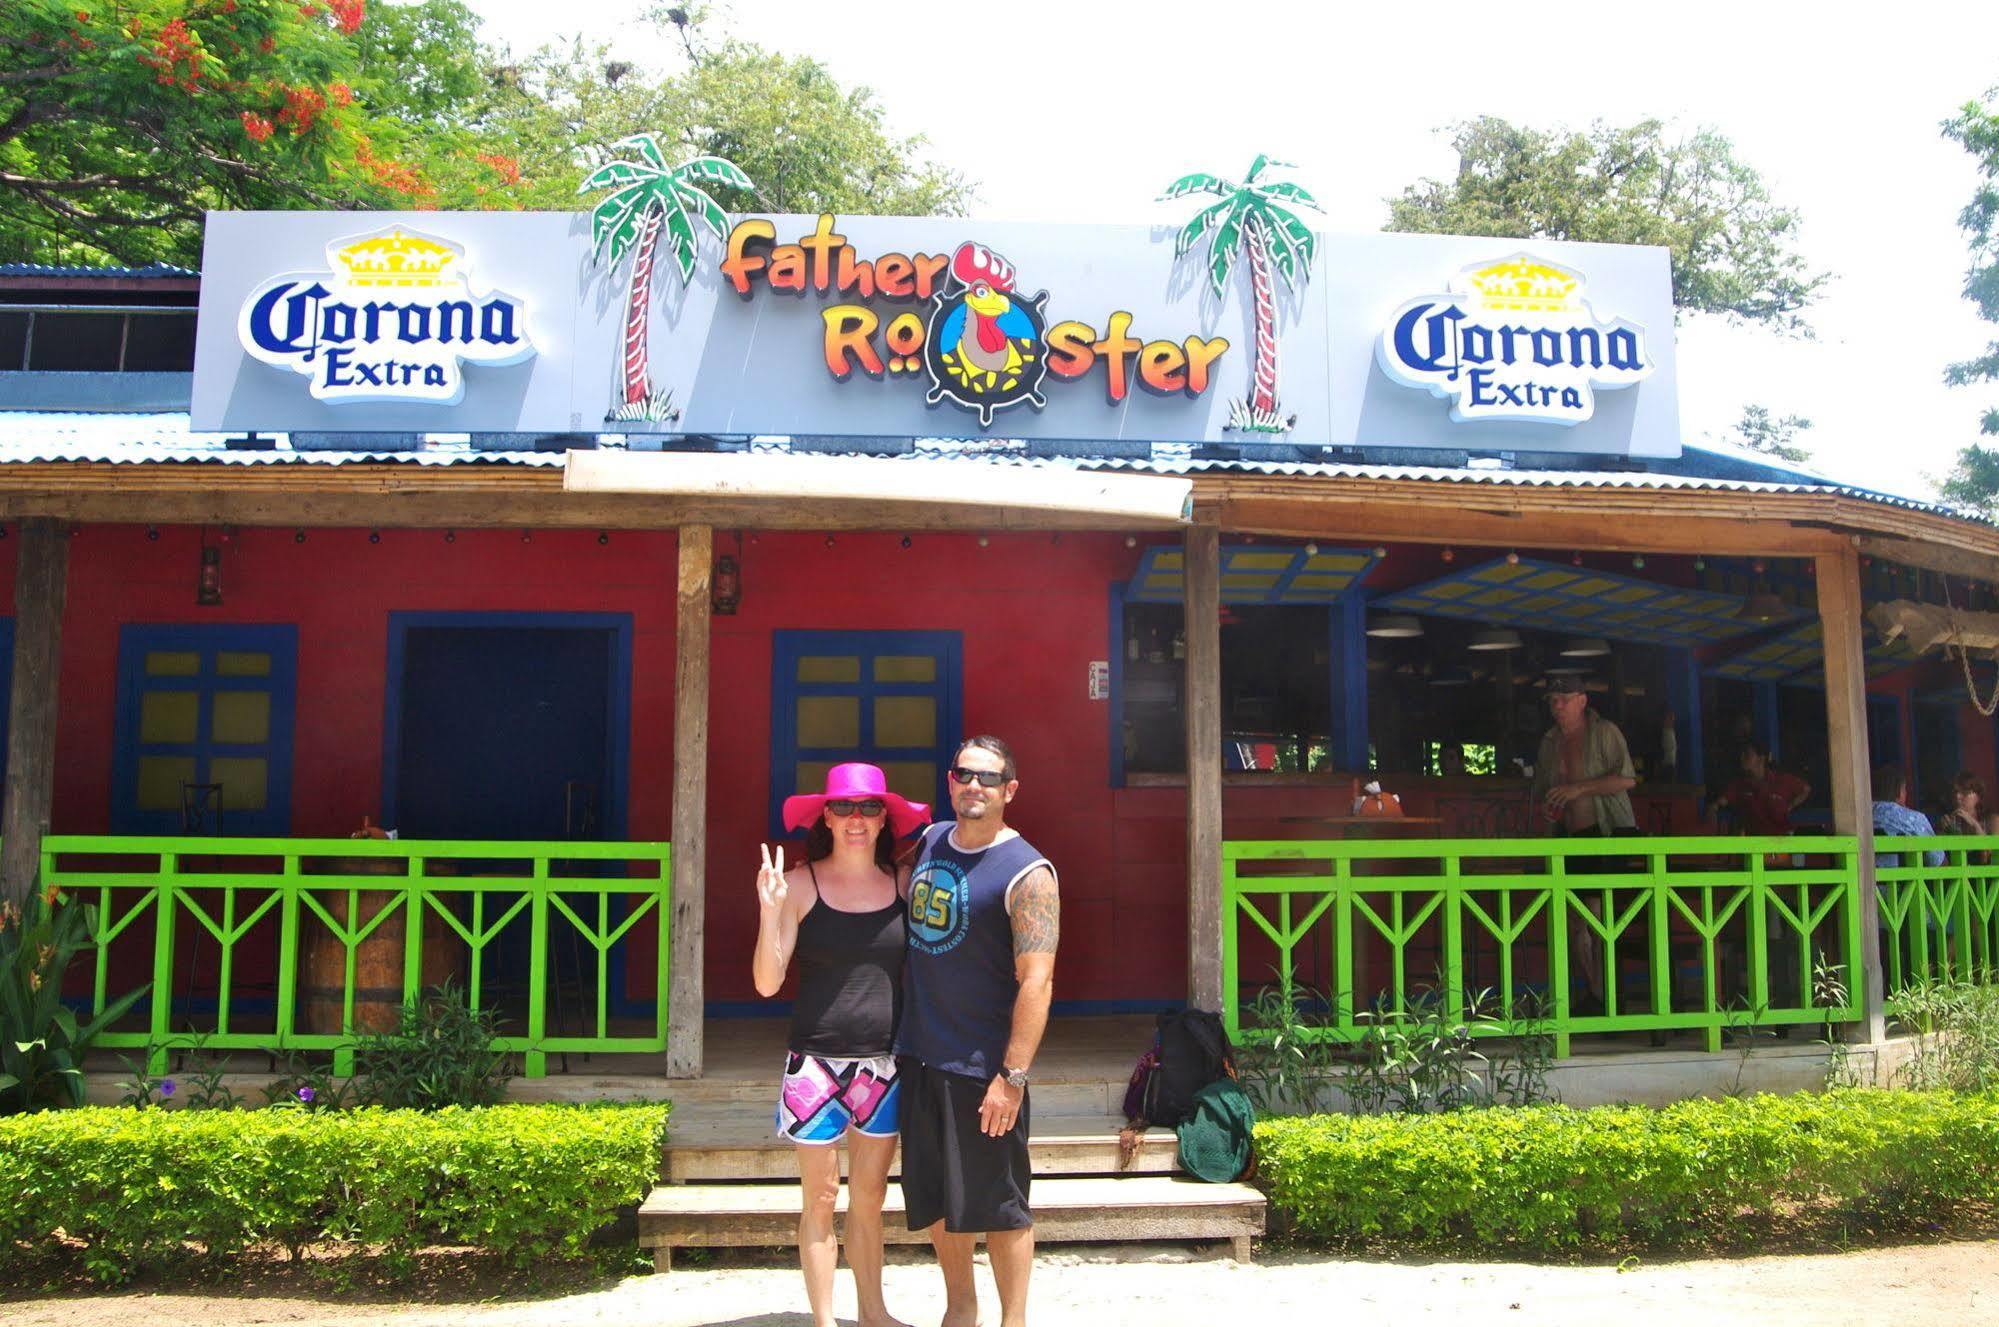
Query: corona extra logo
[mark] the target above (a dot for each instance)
(393, 318)
(1513, 340)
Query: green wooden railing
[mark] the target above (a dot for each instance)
(1937, 922)
(247, 925)
(1680, 933)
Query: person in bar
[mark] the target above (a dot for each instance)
(1582, 784)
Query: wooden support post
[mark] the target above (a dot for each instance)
(690, 802)
(1203, 707)
(1846, 744)
(41, 580)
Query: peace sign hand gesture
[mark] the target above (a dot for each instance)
(771, 888)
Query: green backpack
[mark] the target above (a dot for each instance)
(1216, 1144)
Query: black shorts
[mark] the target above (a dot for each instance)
(951, 1170)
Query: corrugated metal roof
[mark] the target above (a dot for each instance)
(151, 270)
(119, 439)
(30, 437)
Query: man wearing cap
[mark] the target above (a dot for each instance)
(1582, 785)
(984, 917)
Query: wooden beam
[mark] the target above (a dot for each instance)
(1846, 744)
(1203, 710)
(1931, 557)
(687, 997)
(1612, 527)
(869, 479)
(41, 580)
(473, 508)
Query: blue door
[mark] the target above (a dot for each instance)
(507, 726)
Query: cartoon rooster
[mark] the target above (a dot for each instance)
(989, 344)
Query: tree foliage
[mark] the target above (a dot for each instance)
(1974, 480)
(808, 143)
(1734, 250)
(122, 121)
(1761, 431)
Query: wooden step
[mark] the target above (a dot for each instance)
(706, 1144)
(1139, 1207)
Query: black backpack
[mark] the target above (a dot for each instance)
(1194, 1051)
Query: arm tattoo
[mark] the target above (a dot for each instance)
(1037, 913)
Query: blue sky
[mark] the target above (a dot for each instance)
(1841, 117)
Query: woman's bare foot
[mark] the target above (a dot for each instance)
(881, 1320)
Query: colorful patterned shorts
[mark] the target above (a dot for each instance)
(820, 1099)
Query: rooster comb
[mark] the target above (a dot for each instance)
(975, 263)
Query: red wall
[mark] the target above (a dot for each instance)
(1033, 610)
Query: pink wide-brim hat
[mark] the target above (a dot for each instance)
(858, 782)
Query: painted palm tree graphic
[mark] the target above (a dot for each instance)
(1252, 217)
(649, 197)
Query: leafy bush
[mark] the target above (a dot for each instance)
(1956, 1027)
(138, 1187)
(41, 1043)
(1541, 1179)
(441, 1054)
(1421, 1057)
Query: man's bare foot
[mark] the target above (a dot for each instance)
(969, 1318)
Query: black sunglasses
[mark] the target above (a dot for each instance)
(986, 778)
(847, 806)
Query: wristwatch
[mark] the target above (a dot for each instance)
(1014, 1077)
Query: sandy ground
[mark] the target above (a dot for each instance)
(1951, 1285)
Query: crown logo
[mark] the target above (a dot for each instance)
(1522, 283)
(395, 259)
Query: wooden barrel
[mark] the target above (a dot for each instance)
(378, 959)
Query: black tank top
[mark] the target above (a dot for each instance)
(849, 980)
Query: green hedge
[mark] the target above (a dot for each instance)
(1548, 1178)
(137, 1186)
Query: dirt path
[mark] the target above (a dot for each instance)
(1950, 1285)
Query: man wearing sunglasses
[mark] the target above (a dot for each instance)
(984, 917)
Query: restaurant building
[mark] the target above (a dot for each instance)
(568, 570)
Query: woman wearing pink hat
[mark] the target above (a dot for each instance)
(841, 914)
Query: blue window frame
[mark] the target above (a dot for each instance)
(201, 708)
(890, 698)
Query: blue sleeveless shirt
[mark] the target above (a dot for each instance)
(958, 982)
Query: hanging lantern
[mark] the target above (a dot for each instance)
(727, 590)
(208, 582)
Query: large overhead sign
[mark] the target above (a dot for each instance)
(929, 327)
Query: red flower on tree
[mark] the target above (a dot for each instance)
(256, 126)
(347, 13)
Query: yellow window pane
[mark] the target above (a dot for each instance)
(1337, 562)
(1260, 561)
(914, 779)
(160, 778)
(1247, 581)
(829, 668)
(172, 663)
(829, 721)
(241, 717)
(909, 721)
(244, 781)
(243, 663)
(906, 668)
(811, 776)
(168, 716)
(1170, 561)
(1548, 580)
